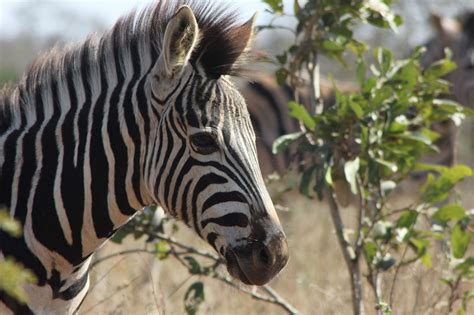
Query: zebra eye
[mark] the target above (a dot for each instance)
(204, 143)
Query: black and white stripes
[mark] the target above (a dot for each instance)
(144, 114)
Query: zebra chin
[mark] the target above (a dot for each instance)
(256, 263)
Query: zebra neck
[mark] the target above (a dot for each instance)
(74, 157)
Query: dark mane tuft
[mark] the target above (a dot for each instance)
(222, 48)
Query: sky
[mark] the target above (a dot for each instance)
(80, 17)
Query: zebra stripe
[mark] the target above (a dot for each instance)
(143, 115)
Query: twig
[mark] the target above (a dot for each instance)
(118, 254)
(350, 258)
(374, 282)
(279, 300)
(360, 221)
(121, 288)
(273, 298)
(395, 277)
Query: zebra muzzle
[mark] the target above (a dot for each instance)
(257, 263)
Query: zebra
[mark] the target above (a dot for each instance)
(144, 114)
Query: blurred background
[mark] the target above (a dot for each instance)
(28, 27)
(315, 281)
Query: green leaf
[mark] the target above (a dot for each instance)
(391, 166)
(387, 186)
(328, 176)
(468, 295)
(385, 262)
(449, 212)
(370, 251)
(409, 73)
(449, 106)
(440, 68)
(447, 281)
(436, 190)
(281, 143)
(426, 260)
(13, 276)
(430, 167)
(384, 58)
(275, 5)
(306, 180)
(119, 235)
(358, 111)
(416, 136)
(162, 249)
(296, 7)
(9, 225)
(299, 112)
(460, 239)
(420, 245)
(361, 72)
(282, 58)
(466, 264)
(193, 297)
(332, 46)
(407, 219)
(351, 169)
(382, 230)
(194, 266)
(281, 75)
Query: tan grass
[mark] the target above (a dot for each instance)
(315, 280)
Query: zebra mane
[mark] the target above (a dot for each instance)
(222, 49)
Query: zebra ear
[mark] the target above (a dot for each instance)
(244, 36)
(180, 39)
(248, 28)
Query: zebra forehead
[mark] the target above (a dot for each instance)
(215, 103)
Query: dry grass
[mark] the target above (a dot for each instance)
(315, 280)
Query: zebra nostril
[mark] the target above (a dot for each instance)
(257, 263)
(263, 256)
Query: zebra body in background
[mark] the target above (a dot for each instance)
(143, 115)
(458, 36)
(267, 103)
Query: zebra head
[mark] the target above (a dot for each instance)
(203, 165)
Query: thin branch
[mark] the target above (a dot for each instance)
(348, 252)
(374, 282)
(120, 288)
(273, 298)
(118, 254)
(395, 277)
(279, 300)
(360, 220)
(315, 79)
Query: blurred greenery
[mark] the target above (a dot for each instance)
(373, 140)
(12, 274)
(8, 76)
